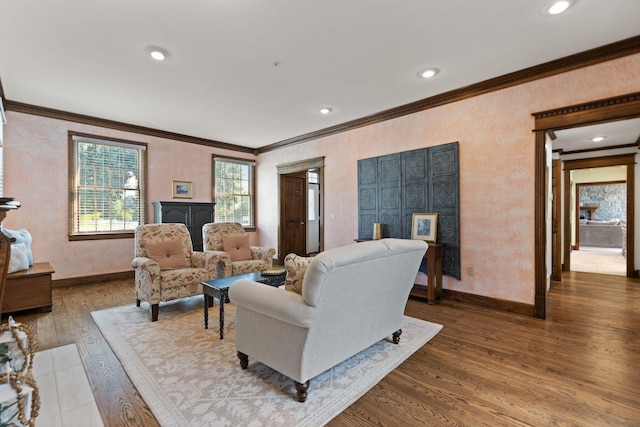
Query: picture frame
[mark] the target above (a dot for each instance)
(424, 226)
(182, 189)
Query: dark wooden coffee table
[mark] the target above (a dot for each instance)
(220, 288)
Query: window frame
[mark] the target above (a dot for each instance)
(252, 186)
(73, 138)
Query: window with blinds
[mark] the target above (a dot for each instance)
(234, 191)
(107, 186)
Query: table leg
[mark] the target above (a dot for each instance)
(206, 311)
(223, 297)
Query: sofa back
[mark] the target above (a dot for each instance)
(360, 292)
(212, 234)
(154, 233)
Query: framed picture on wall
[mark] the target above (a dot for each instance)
(182, 189)
(424, 226)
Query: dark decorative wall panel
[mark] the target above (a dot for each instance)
(392, 187)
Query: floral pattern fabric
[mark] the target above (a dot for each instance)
(153, 285)
(296, 266)
(213, 233)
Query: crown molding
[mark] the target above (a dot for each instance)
(597, 55)
(20, 107)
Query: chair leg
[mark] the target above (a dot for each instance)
(154, 312)
(244, 359)
(396, 336)
(301, 390)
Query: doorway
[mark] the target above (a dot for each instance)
(600, 111)
(598, 205)
(301, 208)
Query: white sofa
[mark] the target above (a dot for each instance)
(352, 297)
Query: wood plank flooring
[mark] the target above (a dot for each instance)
(579, 367)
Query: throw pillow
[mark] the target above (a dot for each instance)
(21, 236)
(18, 260)
(169, 254)
(237, 246)
(296, 266)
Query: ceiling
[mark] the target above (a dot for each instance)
(615, 134)
(255, 72)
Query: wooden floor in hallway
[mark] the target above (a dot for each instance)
(578, 367)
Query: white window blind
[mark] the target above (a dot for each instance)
(107, 186)
(234, 191)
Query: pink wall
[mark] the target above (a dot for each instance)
(496, 171)
(496, 183)
(36, 174)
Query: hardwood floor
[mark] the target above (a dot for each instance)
(578, 367)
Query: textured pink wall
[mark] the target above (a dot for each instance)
(496, 163)
(496, 166)
(36, 174)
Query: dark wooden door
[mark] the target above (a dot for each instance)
(556, 235)
(293, 214)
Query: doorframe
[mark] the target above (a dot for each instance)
(627, 160)
(300, 166)
(601, 111)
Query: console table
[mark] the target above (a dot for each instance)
(432, 291)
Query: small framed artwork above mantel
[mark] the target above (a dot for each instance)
(424, 226)
(182, 189)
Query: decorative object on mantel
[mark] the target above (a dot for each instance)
(181, 189)
(424, 226)
(19, 395)
(377, 231)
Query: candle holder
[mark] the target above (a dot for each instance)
(377, 231)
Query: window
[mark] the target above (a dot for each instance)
(107, 187)
(234, 191)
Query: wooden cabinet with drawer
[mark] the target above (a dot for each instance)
(28, 289)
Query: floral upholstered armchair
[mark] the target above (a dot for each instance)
(167, 268)
(231, 243)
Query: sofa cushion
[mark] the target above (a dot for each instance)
(296, 266)
(237, 246)
(22, 236)
(168, 254)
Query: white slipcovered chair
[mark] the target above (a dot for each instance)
(166, 267)
(231, 243)
(351, 297)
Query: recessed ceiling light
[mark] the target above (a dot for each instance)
(428, 73)
(325, 110)
(157, 53)
(558, 7)
(597, 138)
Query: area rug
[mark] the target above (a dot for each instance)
(188, 376)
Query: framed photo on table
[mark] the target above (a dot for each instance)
(424, 226)
(182, 189)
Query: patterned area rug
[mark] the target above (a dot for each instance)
(188, 376)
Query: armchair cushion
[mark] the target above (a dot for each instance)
(168, 254)
(237, 246)
(296, 266)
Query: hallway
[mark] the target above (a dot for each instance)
(599, 260)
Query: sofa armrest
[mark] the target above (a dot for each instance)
(202, 259)
(146, 264)
(225, 262)
(262, 253)
(273, 302)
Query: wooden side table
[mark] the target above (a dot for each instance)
(29, 289)
(433, 290)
